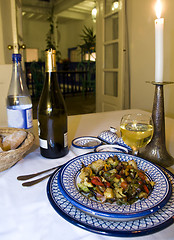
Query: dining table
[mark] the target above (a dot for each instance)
(26, 212)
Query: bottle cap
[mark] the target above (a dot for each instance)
(50, 63)
(16, 57)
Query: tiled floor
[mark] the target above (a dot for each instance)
(77, 104)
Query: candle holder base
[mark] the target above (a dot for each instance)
(156, 154)
(156, 151)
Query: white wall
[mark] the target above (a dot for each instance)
(141, 16)
(70, 34)
(5, 32)
(34, 34)
(2, 60)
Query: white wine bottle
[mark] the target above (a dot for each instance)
(52, 113)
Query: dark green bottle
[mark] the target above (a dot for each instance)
(52, 114)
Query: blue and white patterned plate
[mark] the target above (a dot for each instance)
(68, 177)
(147, 225)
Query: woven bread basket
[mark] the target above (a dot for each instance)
(9, 158)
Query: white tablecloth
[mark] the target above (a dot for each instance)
(26, 213)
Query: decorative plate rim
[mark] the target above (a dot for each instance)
(82, 147)
(86, 205)
(56, 198)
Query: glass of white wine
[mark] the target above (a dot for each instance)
(136, 130)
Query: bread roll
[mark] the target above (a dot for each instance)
(13, 140)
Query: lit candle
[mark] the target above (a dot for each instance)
(159, 26)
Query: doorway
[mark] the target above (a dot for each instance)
(67, 23)
(111, 55)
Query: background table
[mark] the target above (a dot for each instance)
(25, 213)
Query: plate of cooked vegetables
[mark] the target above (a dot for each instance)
(146, 225)
(114, 186)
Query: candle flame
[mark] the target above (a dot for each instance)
(158, 9)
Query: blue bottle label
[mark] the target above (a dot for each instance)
(20, 118)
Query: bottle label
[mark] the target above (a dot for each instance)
(65, 139)
(20, 118)
(43, 143)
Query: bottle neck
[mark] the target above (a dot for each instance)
(16, 58)
(51, 70)
(17, 72)
(18, 85)
(51, 81)
(50, 63)
(17, 68)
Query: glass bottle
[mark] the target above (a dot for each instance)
(52, 113)
(19, 104)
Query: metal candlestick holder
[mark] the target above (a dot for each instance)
(156, 151)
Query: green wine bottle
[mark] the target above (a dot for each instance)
(51, 113)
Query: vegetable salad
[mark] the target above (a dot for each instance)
(112, 180)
